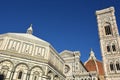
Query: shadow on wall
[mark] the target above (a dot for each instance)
(1, 77)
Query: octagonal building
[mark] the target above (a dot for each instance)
(23, 56)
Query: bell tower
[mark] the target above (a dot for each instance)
(109, 42)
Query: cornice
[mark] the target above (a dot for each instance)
(98, 12)
(24, 56)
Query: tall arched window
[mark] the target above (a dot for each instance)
(108, 30)
(117, 65)
(20, 75)
(113, 48)
(111, 66)
(108, 48)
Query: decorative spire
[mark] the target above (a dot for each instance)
(92, 56)
(30, 30)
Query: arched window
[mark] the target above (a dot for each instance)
(4, 70)
(111, 66)
(117, 65)
(35, 78)
(108, 48)
(35, 75)
(20, 75)
(108, 30)
(113, 48)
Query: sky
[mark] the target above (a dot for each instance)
(65, 24)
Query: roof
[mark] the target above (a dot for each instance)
(27, 37)
(92, 64)
(105, 10)
(67, 53)
(95, 65)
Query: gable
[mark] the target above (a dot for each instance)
(66, 54)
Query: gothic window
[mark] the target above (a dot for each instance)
(117, 65)
(108, 30)
(113, 48)
(108, 48)
(20, 75)
(111, 66)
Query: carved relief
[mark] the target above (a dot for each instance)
(40, 51)
(43, 52)
(14, 45)
(27, 48)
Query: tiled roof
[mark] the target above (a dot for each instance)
(94, 65)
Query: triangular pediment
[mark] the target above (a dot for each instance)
(67, 53)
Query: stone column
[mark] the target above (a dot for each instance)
(56, 78)
(12, 74)
(8, 75)
(28, 75)
(52, 77)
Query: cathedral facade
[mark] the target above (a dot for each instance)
(24, 56)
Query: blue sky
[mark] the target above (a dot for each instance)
(66, 24)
